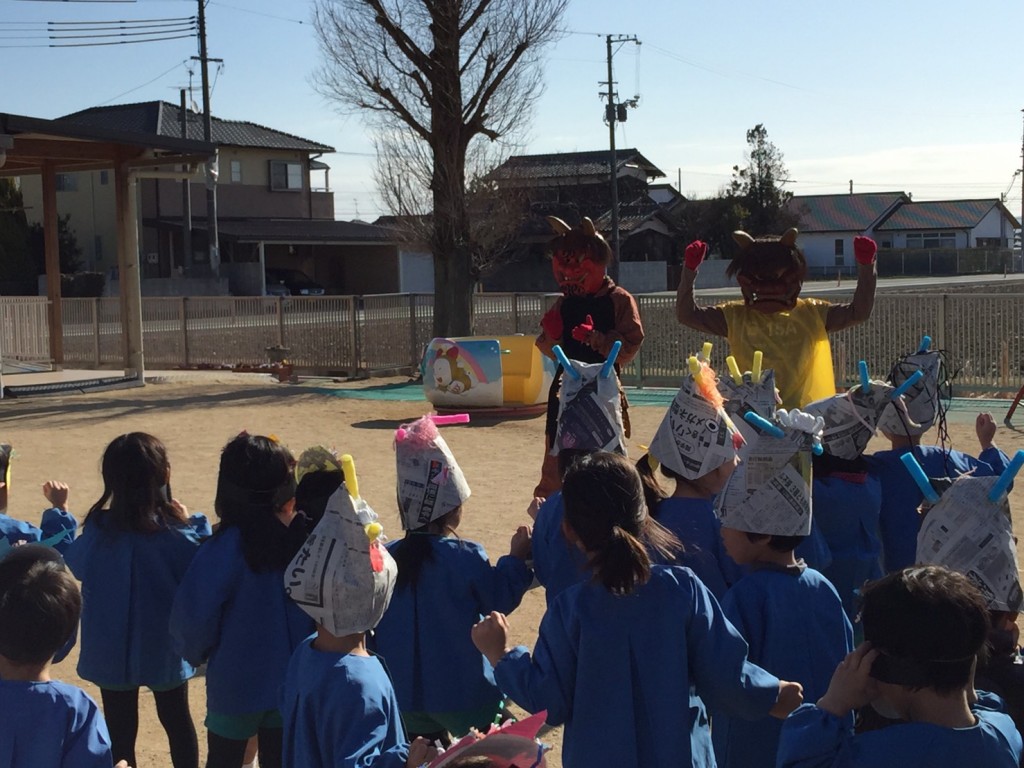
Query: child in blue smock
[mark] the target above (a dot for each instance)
(789, 614)
(923, 628)
(445, 584)
(57, 525)
(136, 544)
(231, 609)
(697, 446)
(628, 659)
(337, 703)
(45, 722)
(899, 520)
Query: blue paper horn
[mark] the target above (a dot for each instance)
(763, 424)
(865, 382)
(1003, 483)
(606, 369)
(565, 362)
(926, 344)
(910, 462)
(915, 377)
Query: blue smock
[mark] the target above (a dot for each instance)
(557, 563)
(424, 636)
(339, 711)
(796, 628)
(239, 621)
(629, 674)
(51, 724)
(899, 521)
(53, 521)
(129, 580)
(814, 738)
(696, 525)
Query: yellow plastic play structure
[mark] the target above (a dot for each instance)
(481, 372)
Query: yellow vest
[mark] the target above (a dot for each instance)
(793, 343)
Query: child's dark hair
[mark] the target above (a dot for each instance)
(777, 543)
(314, 491)
(826, 464)
(255, 481)
(928, 623)
(39, 604)
(135, 495)
(605, 508)
(654, 492)
(417, 549)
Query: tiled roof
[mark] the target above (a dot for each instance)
(943, 214)
(570, 165)
(161, 118)
(843, 213)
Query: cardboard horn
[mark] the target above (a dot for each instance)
(788, 238)
(558, 226)
(743, 240)
(588, 227)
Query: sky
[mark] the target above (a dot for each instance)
(919, 96)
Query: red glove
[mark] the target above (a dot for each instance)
(694, 254)
(551, 324)
(864, 250)
(582, 331)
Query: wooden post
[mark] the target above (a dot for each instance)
(280, 321)
(183, 314)
(51, 249)
(128, 270)
(96, 356)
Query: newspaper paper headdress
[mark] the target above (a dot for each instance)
(343, 576)
(753, 390)
(922, 399)
(317, 459)
(770, 491)
(589, 406)
(430, 481)
(696, 436)
(513, 745)
(851, 418)
(968, 529)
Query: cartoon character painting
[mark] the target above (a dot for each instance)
(449, 376)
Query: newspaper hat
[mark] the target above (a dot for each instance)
(967, 528)
(512, 745)
(770, 491)
(850, 418)
(696, 436)
(923, 404)
(343, 576)
(317, 459)
(589, 406)
(430, 481)
(751, 391)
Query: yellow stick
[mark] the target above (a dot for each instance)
(755, 372)
(348, 467)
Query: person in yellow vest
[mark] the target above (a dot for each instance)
(791, 332)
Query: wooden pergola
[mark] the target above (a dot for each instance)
(34, 146)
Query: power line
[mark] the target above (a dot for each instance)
(257, 13)
(148, 82)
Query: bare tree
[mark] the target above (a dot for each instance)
(448, 71)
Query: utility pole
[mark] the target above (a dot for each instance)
(615, 113)
(1021, 205)
(211, 166)
(186, 200)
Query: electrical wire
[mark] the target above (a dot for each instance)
(256, 13)
(148, 82)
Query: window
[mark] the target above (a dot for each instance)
(839, 246)
(285, 176)
(67, 182)
(236, 171)
(931, 240)
(104, 177)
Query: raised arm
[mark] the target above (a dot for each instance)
(842, 316)
(707, 319)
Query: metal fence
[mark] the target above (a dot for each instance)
(364, 335)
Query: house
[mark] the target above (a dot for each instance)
(572, 185)
(828, 224)
(275, 209)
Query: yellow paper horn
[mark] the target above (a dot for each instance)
(755, 371)
(734, 368)
(348, 467)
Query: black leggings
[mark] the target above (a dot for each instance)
(223, 752)
(121, 711)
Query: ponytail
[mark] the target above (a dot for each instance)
(622, 564)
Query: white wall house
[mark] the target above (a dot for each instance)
(945, 224)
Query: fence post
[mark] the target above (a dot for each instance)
(183, 314)
(515, 312)
(96, 332)
(280, 321)
(357, 336)
(412, 332)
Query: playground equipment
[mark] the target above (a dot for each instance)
(500, 374)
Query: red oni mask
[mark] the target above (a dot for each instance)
(578, 257)
(770, 271)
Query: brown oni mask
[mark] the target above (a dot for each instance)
(578, 257)
(770, 271)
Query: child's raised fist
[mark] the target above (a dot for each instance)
(56, 493)
(521, 546)
(490, 636)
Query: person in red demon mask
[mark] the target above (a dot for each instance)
(791, 332)
(586, 320)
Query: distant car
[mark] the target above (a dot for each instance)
(292, 282)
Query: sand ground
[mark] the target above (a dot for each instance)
(63, 438)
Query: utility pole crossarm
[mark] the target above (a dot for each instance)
(612, 116)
